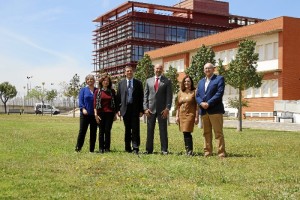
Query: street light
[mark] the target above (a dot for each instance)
(28, 77)
(24, 98)
(43, 96)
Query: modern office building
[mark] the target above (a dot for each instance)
(278, 44)
(126, 32)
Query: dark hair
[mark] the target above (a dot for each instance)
(182, 83)
(102, 79)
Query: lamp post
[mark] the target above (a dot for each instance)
(24, 98)
(43, 96)
(28, 77)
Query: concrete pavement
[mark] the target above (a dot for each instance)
(259, 124)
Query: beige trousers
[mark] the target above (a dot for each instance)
(213, 122)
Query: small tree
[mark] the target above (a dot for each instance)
(38, 93)
(50, 96)
(172, 74)
(73, 90)
(241, 73)
(144, 69)
(203, 56)
(235, 103)
(7, 91)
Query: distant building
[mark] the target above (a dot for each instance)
(125, 33)
(278, 44)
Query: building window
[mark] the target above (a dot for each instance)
(265, 89)
(269, 51)
(231, 55)
(177, 64)
(276, 50)
(249, 93)
(260, 51)
(274, 88)
(223, 57)
(269, 88)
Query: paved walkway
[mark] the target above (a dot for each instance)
(256, 124)
(268, 125)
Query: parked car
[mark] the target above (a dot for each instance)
(47, 109)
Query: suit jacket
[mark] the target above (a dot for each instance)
(160, 100)
(213, 95)
(137, 97)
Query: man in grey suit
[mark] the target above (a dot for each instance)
(157, 103)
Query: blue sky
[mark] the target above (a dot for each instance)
(51, 40)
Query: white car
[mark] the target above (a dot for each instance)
(46, 109)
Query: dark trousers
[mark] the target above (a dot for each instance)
(163, 132)
(105, 126)
(85, 121)
(132, 129)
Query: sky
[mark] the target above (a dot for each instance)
(51, 40)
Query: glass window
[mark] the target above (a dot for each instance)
(260, 51)
(274, 88)
(276, 50)
(265, 87)
(269, 51)
(249, 93)
(181, 34)
(257, 92)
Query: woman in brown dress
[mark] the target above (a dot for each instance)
(187, 112)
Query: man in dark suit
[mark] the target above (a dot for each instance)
(209, 96)
(157, 103)
(130, 99)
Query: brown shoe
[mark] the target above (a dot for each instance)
(222, 156)
(207, 154)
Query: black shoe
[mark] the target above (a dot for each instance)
(128, 150)
(148, 152)
(101, 151)
(77, 150)
(135, 151)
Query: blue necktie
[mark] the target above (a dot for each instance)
(129, 90)
(129, 84)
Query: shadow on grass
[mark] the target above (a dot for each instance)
(182, 153)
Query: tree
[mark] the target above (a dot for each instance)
(38, 93)
(172, 74)
(7, 91)
(50, 96)
(241, 73)
(73, 90)
(235, 103)
(203, 56)
(144, 69)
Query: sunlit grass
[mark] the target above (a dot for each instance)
(38, 162)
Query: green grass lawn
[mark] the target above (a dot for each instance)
(37, 161)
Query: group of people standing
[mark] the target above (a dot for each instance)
(100, 107)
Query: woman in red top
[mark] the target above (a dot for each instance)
(105, 112)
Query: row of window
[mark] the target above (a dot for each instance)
(269, 88)
(122, 55)
(168, 33)
(267, 51)
(177, 64)
(149, 31)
